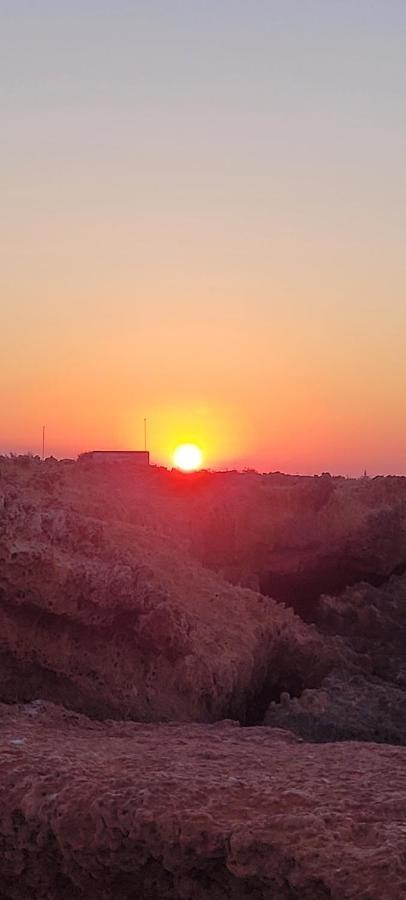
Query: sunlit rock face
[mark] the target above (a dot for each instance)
(115, 618)
(124, 810)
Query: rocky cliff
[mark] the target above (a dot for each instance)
(144, 596)
(115, 618)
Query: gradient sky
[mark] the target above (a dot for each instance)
(203, 221)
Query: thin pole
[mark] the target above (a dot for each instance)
(43, 442)
(145, 434)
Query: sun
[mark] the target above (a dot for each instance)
(188, 457)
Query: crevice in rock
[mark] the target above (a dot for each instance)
(292, 683)
(302, 590)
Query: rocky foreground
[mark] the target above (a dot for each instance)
(116, 619)
(99, 811)
(144, 598)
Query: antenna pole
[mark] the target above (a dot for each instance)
(145, 434)
(43, 442)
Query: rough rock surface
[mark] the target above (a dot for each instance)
(115, 619)
(105, 608)
(124, 810)
(368, 705)
(121, 595)
(294, 537)
(344, 709)
(301, 537)
(372, 621)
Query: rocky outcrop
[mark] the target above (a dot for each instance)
(307, 536)
(293, 538)
(373, 622)
(368, 704)
(115, 619)
(104, 606)
(344, 708)
(102, 810)
(121, 597)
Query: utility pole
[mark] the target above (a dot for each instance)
(43, 442)
(145, 434)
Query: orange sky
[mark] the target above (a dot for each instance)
(203, 222)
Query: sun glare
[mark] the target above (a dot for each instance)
(188, 457)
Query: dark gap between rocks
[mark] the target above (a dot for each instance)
(302, 590)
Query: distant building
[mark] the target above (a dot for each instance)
(136, 457)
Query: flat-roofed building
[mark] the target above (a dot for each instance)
(136, 457)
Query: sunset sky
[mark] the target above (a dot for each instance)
(203, 221)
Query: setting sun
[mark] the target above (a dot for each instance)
(188, 457)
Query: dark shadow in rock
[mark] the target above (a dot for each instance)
(302, 589)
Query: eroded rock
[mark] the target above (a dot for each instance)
(101, 810)
(116, 619)
(344, 708)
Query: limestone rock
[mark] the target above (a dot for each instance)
(344, 708)
(124, 810)
(113, 618)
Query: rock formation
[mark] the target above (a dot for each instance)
(365, 705)
(144, 596)
(344, 708)
(113, 619)
(123, 810)
(292, 537)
